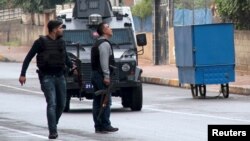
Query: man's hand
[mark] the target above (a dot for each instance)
(74, 68)
(106, 81)
(22, 80)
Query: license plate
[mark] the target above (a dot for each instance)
(89, 86)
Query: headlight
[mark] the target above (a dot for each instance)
(95, 19)
(125, 67)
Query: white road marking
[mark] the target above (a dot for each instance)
(16, 88)
(196, 115)
(26, 133)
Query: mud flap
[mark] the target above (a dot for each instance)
(138, 72)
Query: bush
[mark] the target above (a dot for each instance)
(236, 11)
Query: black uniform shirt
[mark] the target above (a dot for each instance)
(33, 51)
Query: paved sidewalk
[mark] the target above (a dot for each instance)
(13, 54)
(160, 74)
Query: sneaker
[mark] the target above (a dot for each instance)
(53, 136)
(110, 129)
(97, 130)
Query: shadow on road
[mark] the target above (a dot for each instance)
(113, 110)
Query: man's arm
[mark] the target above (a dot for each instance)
(68, 61)
(104, 50)
(34, 49)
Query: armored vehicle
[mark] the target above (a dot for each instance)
(80, 35)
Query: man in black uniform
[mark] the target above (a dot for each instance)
(51, 59)
(102, 58)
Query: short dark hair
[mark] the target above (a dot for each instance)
(100, 28)
(52, 24)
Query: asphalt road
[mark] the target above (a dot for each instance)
(168, 113)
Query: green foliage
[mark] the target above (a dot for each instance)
(29, 6)
(192, 4)
(5, 4)
(236, 11)
(37, 6)
(142, 9)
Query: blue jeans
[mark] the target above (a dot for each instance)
(54, 89)
(103, 122)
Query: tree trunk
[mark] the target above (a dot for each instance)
(32, 18)
(171, 13)
(8, 31)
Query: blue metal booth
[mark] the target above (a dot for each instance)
(205, 55)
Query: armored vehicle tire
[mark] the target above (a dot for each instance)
(126, 96)
(136, 101)
(126, 100)
(68, 97)
(132, 97)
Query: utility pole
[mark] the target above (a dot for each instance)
(170, 12)
(161, 49)
(156, 40)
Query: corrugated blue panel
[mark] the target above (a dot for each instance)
(207, 75)
(214, 44)
(218, 74)
(192, 17)
(183, 46)
(186, 75)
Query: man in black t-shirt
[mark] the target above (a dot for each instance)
(51, 59)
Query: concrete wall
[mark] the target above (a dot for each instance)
(128, 2)
(171, 46)
(24, 30)
(25, 34)
(148, 49)
(242, 51)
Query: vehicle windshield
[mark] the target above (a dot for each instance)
(122, 36)
(85, 37)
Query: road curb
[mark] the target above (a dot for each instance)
(239, 90)
(175, 83)
(4, 59)
(160, 81)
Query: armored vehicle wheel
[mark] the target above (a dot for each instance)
(126, 100)
(136, 101)
(194, 90)
(68, 97)
(126, 96)
(202, 90)
(225, 90)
